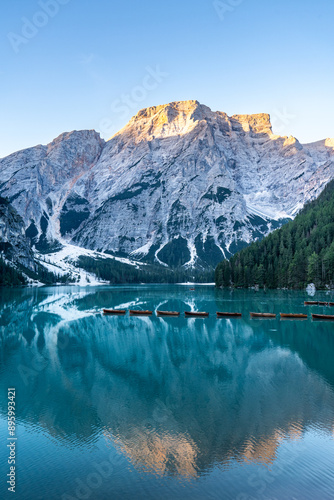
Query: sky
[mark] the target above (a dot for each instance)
(77, 64)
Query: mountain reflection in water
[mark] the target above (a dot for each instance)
(175, 396)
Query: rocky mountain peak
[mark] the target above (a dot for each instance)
(175, 118)
(169, 111)
(75, 136)
(181, 117)
(291, 141)
(74, 150)
(179, 185)
(258, 123)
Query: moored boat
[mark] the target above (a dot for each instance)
(198, 313)
(262, 315)
(168, 313)
(323, 316)
(114, 311)
(228, 315)
(292, 315)
(331, 303)
(139, 312)
(322, 303)
(310, 303)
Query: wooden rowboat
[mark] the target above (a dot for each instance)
(262, 315)
(295, 316)
(192, 313)
(228, 315)
(114, 311)
(310, 303)
(323, 316)
(168, 313)
(139, 312)
(322, 303)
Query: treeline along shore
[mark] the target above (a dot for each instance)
(300, 252)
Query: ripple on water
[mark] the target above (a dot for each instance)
(182, 408)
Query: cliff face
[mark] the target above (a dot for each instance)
(14, 244)
(179, 184)
(181, 179)
(39, 180)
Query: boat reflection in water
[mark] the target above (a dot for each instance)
(177, 397)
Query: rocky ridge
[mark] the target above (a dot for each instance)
(178, 185)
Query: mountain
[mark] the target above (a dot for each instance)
(38, 181)
(300, 252)
(178, 185)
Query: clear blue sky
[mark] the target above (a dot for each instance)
(88, 64)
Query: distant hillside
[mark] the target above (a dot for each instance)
(300, 252)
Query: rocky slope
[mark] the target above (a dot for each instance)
(14, 245)
(38, 181)
(178, 185)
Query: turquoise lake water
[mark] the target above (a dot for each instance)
(166, 408)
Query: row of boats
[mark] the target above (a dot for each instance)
(317, 303)
(140, 312)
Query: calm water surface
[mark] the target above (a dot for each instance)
(166, 408)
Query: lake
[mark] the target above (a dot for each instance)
(166, 408)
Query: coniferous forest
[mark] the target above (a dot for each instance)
(9, 276)
(300, 252)
(118, 273)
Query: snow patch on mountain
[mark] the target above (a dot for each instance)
(65, 262)
(179, 185)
